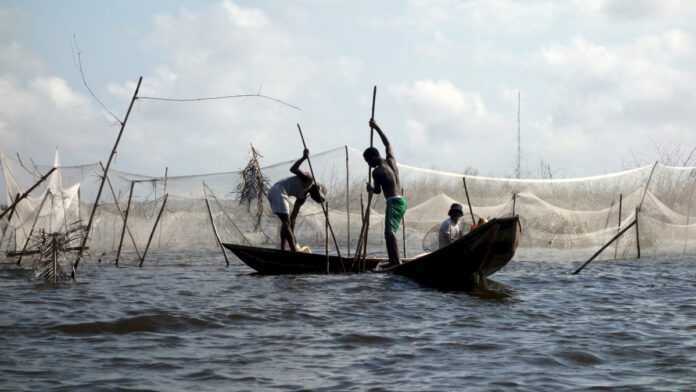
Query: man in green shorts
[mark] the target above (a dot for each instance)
(386, 178)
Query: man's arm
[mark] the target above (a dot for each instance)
(295, 211)
(385, 141)
(376, 186)
(295, 168)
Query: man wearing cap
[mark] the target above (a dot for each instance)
(449, 228)
(298, 186)
(386, 178)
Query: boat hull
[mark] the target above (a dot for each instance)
(464, 264)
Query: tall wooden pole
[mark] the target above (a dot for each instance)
(347, 201)
(618, 228)
(125, 225)
(212, 223)
(26, 193)
(323, 207)
(101, 185)
(154, 227)
(159, 235)
(637, 234)
(403, 228)
(362, 252)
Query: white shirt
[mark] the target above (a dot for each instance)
(449, 232)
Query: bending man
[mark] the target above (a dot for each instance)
(298, 186)
(386, 179)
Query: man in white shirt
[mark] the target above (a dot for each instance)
(450, 230)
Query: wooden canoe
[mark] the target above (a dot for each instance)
(460, 265)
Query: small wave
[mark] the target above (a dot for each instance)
(578, 357)
(364, 339)
(142, 323)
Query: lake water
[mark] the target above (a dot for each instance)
(185, 322)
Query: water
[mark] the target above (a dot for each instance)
(185, 322)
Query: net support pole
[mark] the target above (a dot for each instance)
(618, 228)
(326, 240)
(514, 203)
(33, 225)
(347, 202)
(468, 202)
(125, 225)
(164, 190)
(212, 224)
(212, 194)
(9, 220)
(403, 228)
(154, 227)
(323, 207)
(637, 233)
(122, 214)
(26, 193)
(594, 256)
(101, 185)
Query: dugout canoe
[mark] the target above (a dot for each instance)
(460, 265)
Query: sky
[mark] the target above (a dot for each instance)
(604, 84)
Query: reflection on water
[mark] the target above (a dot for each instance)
(185, 322)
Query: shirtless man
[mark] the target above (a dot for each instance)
(386, 179)
(298, 186)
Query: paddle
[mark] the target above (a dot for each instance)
(323, 207)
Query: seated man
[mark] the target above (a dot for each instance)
(449, 229)
(385, 174)
(298, 186)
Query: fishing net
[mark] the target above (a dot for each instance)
(562, 219)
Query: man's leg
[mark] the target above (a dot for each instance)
(286, 234)
(392, 247)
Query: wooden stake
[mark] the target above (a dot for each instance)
(25, 194)
(124, 217)
(212, 223)
(212, 194)
(9, 220)
(635, 222)
(159, 235)
(125, 225)
(347, 202)
(326, 240)
(637, 233)
(468, 201)
(403, 228)
(323, 208)
(152, 233)
(514, 203)
(33, 225)
(618, 227)
(101, 185)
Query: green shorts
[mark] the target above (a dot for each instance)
(394, 214)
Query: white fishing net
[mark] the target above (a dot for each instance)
(562, 219)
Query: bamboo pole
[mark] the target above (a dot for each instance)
(120, 211)
(618, 228)
(125, 225)
(403, 228)
(101, 185)
(323, 208)
(577, 271)
(26, 193)
(33, 225)
(326, 240)
(164, 190)
(212, 194)
(468, 202)
(365, 229)
(9, 220)
(347, 202)
(212, 223)
(154, 227)
(637, 233)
